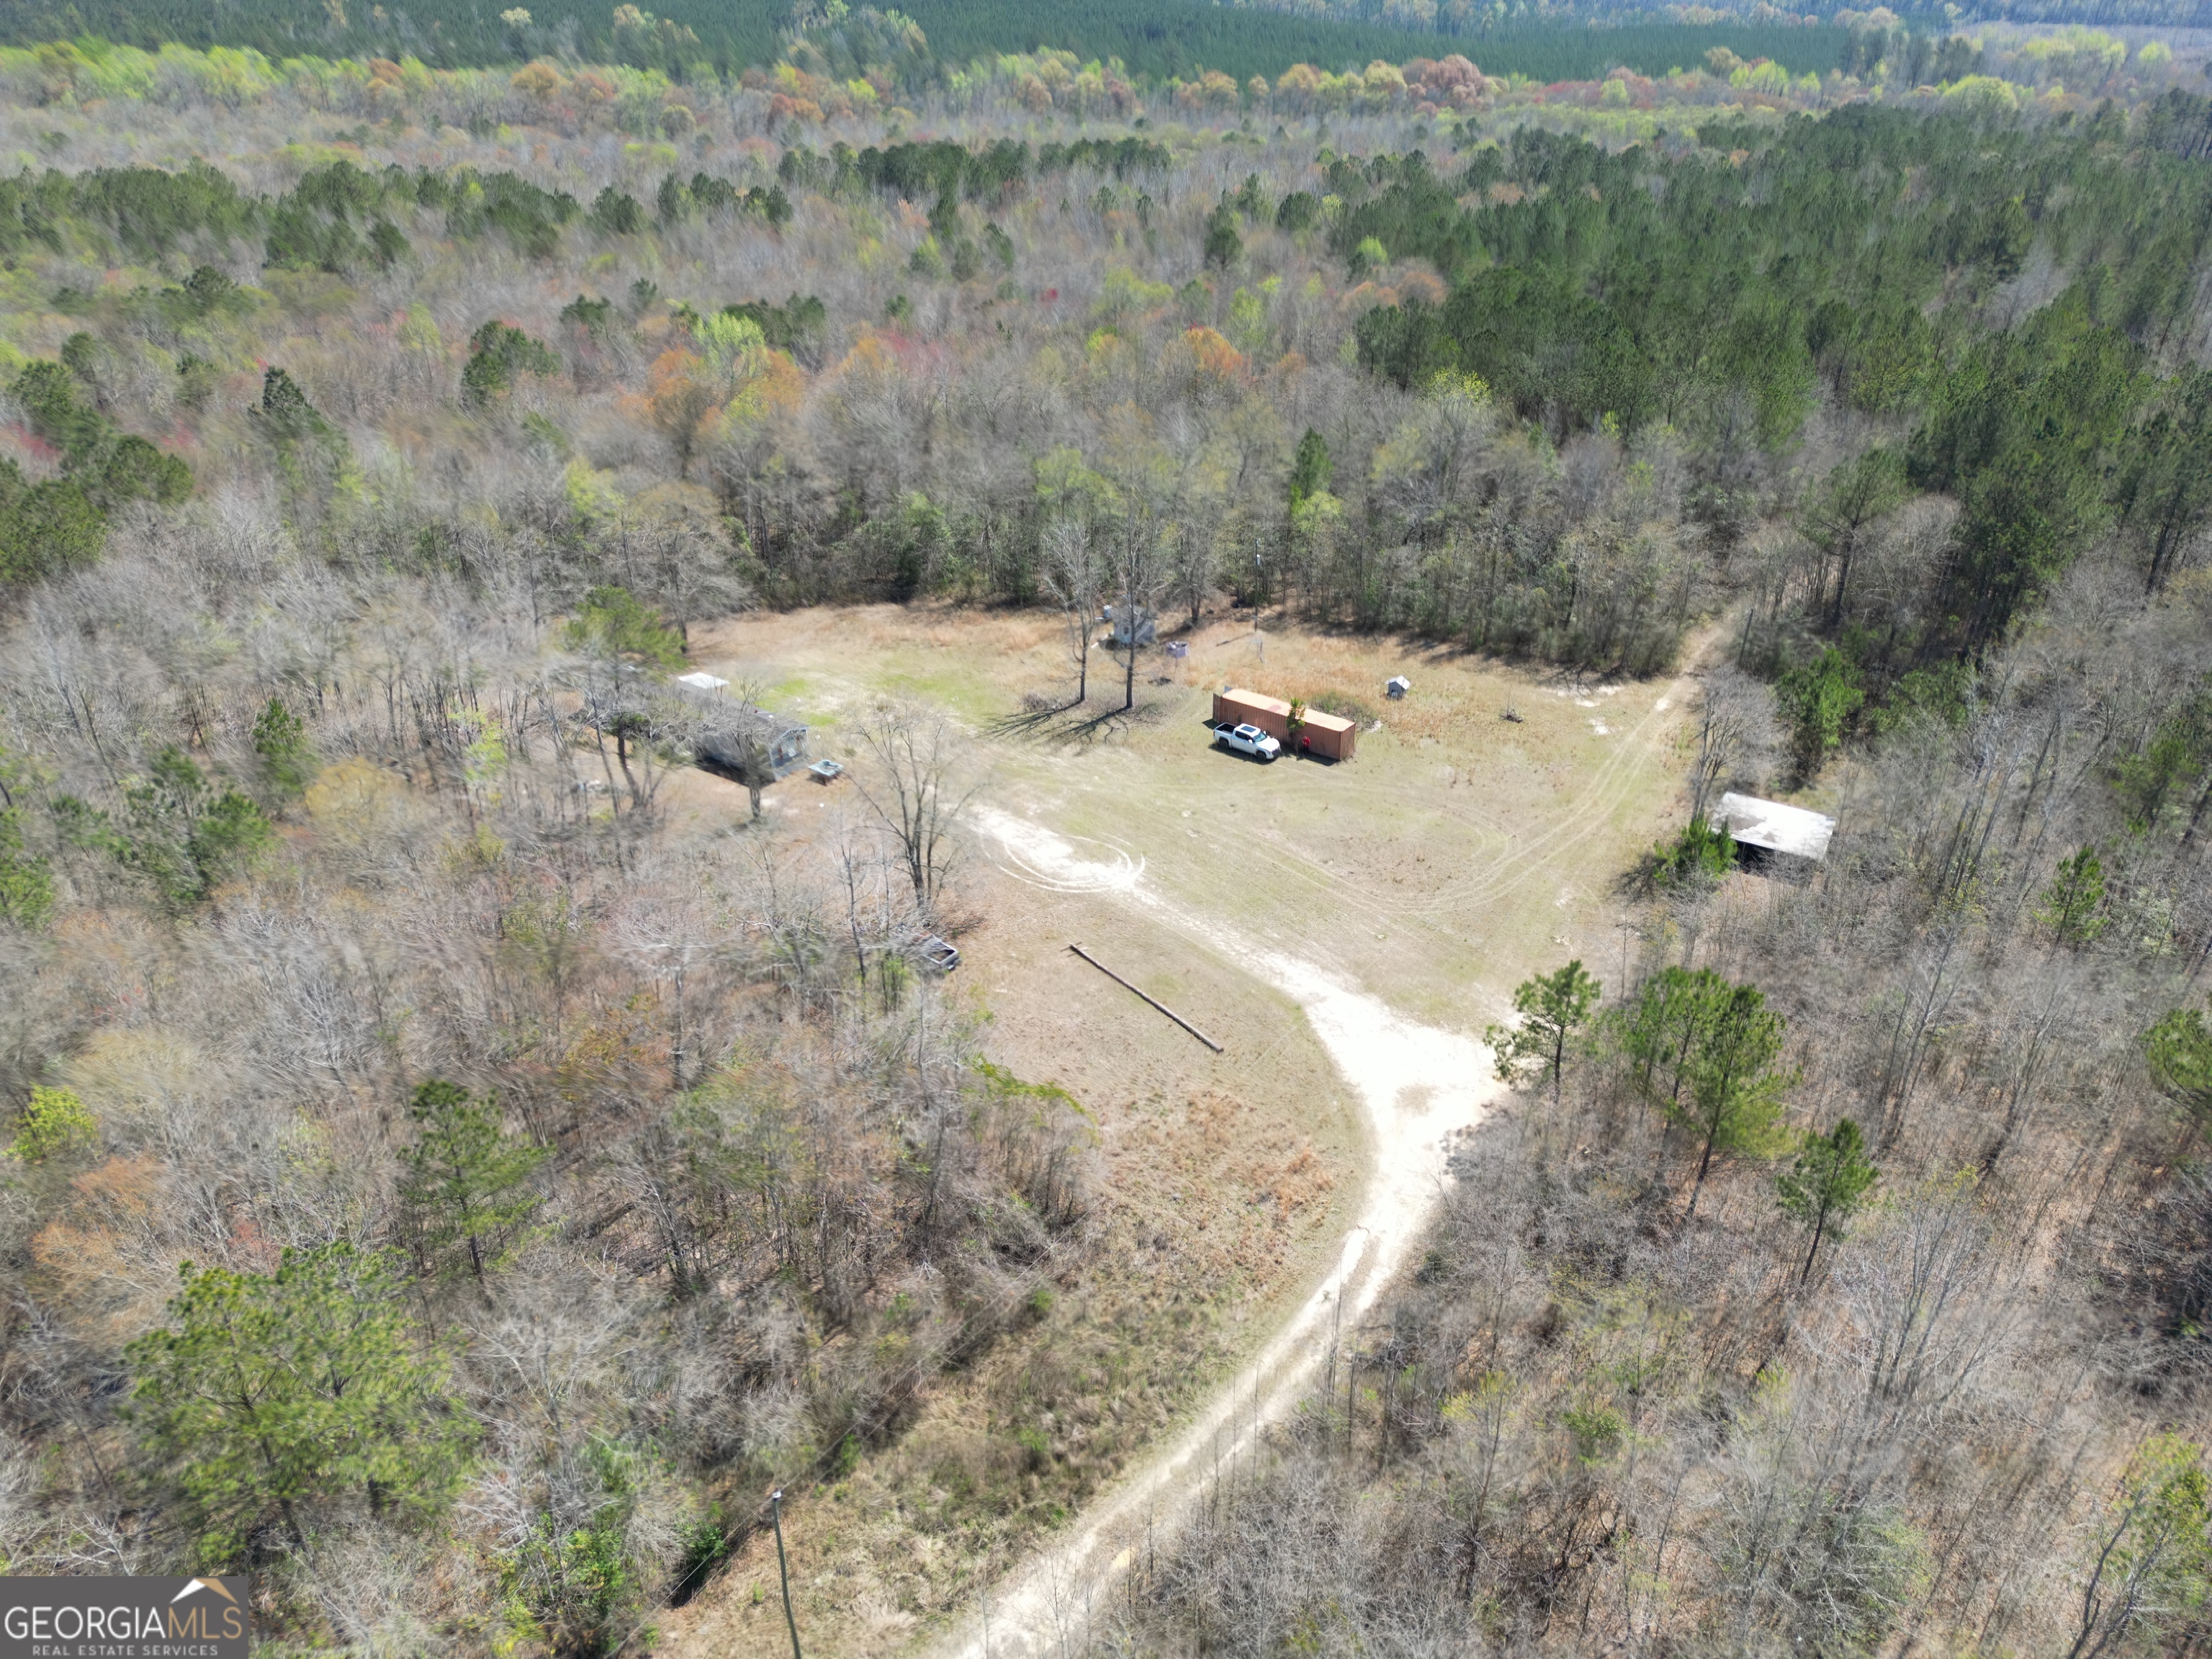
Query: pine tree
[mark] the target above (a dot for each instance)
(1311, 469)
(498, 352)
(1826, 1184)
(613, 622)
(1551, 1007)
(26, 884)
(263, 1393)
(54, 1122)
(1224, 246)
(467, 1182)
(285, 412)
(187, 836)
(1818, 697)
(1673, 1011)
(288, 756)
(1735, 1093)
(2179, 1050)
(2073, 904)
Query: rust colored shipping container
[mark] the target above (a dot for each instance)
(1327, 736)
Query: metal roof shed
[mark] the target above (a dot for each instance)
(1794, 835)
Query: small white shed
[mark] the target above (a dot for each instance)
(1396, 687)
(1787, 837)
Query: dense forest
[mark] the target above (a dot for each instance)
(1552, 40)
(437, 1175)
(1153, 41)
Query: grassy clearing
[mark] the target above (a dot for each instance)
(1467, 841)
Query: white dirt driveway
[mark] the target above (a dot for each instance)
(1418, 1088)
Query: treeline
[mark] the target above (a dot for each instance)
(2104, 13)
(1154, 43)
(1776, 276)
(1157, 42)
(1756, 337)
(945, 167)
(338, 217)
(443, 34)
(1468, 19)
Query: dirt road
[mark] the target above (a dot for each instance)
(1418, 1087)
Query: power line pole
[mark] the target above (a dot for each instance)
(783, 1571)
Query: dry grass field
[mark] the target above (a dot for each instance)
(1459, 851)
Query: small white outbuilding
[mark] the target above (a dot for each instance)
(1396, 687)
(1787, 837)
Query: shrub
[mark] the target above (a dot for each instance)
(1817, 698)
(1699, 854)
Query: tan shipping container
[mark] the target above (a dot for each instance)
(1327, 736)
(1270, 714)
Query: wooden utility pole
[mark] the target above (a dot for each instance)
(783, 1571)
(1155, 1001)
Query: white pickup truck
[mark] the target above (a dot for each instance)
(1247, 740)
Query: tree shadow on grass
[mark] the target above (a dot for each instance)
(1077, 725)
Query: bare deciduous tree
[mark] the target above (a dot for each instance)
(1139, 574)
(1734, 721)
(1070, 576)
(918, 782)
